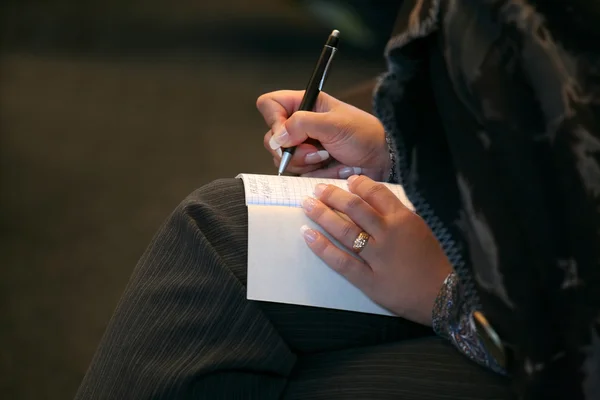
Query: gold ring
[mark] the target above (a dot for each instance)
(360, 242)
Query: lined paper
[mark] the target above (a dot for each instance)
(289, 191)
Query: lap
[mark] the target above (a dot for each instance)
(184, 326)
(352, 355)
(304, 329)
(427, 368)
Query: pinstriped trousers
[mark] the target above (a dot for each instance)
(184, 329)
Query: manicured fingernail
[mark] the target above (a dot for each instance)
(308, 203)
(352, 178)
(316, 157)
(346, 172)
(273, 144)
(278, 139)
(279, 152)
(319, 189)
(309, 235)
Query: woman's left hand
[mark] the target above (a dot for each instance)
(402, 267)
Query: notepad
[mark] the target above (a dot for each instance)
(281, 267)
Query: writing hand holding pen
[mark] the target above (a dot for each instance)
(350, 140)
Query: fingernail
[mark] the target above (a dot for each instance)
(309, 235)
(279, 152)
(352, 178)
(273, 144)
(278, 139)
(346, 172)
(308, 203)
(316, 157)
(319, 189)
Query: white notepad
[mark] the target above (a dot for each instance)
(281, 267)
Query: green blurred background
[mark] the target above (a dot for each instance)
(111, 112)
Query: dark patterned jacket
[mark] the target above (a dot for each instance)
(492, 109)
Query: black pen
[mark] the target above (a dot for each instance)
(314, 87)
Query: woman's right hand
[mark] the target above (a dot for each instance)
(337, 140)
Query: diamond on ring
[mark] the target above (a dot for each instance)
(360, 242)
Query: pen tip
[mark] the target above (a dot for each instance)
(335, 33)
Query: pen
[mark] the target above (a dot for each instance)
(314, 87)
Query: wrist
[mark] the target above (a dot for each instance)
(426, 303)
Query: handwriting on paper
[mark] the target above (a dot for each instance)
(291, 190)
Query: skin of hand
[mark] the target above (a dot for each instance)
(402, 267)
(335, 141)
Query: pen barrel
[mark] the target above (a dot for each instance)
(315, 84)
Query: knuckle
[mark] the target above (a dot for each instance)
(319, 246)
(325, 195)
(296, 122)
(324, 102)
(342, 127)
(374, 190)
(317, 211)
(347, 229)
(406, 216)
(354, 203)
(402, 220)
(261, 100)
(361, 179)
(357, 186)
(341, 264)
(378, 223)
(266, 139)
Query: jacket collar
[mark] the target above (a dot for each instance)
(416, 19)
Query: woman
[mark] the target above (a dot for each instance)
(488, 116)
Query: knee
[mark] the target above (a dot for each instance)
(218, 190)
(220, 200)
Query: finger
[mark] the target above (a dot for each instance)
(330, 172)
(335, 170)
(294, 171)
(326, 127)
(354, 270)
(375, 194)
(344, 230)
(297, 170)
(353, 206)
(277, 107)
(313, 156)
(305, 154)
(287, 102)
(298, 164)
(300, 127)
(277, 153)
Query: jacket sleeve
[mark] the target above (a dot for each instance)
(453, 320)
(392, 173)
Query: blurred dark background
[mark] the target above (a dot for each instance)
(111, 112)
